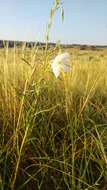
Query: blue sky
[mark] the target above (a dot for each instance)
(85, 21)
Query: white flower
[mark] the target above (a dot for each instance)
(61, 62)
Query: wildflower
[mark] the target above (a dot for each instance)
(61, 62)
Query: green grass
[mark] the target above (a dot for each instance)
(53, 131)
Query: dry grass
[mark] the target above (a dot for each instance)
(53, 131)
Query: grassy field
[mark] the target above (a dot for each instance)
(53, 131)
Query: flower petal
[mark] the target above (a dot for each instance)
(65, 67)
(61, 61)
(56, 69)
(64, 57)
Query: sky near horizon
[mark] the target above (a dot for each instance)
(85, 21)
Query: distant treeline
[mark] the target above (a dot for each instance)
(11, 44)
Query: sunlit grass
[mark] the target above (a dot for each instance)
(53, 131)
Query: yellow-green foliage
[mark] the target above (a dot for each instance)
(53, 131)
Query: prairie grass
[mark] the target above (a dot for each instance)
(53, 131)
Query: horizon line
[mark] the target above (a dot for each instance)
(54, 43)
